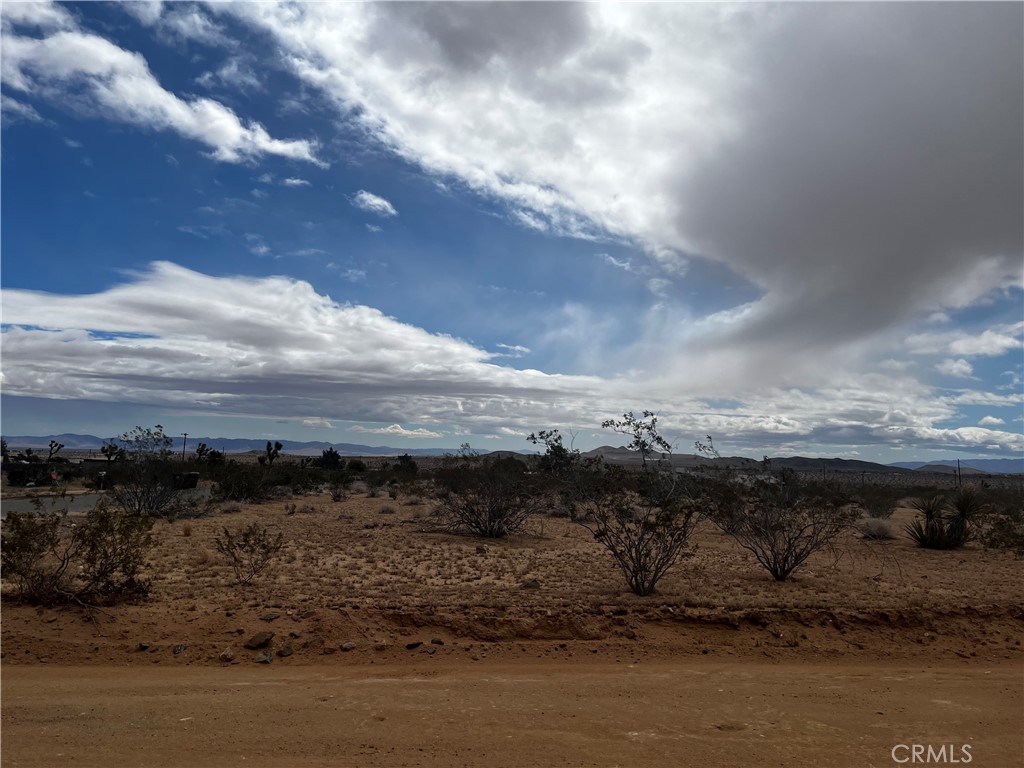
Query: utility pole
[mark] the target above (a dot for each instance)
(184, 439)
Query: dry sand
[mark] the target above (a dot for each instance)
(884, 645)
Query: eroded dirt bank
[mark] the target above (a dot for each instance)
(692, 712)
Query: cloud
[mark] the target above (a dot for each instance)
(374, 228)
(770, 144)
(512, 350)
(371, 203)
(237, 73)
(172, 337)
(991, 342)
(317, 423)
(15, 111)
(397, 430)
(293, 182)
(990, 421)
(89, 73)
(959, 368)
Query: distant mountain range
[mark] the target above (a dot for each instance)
(226, 444)
(612, 454)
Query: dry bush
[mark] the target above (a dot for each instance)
(782, 526)
(100, 559)
(876, 529)
(249, 550)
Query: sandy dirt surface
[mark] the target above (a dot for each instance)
(396, 643)
(694, 712)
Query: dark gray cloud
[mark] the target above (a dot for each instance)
(878, 169)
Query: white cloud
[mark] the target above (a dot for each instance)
(18, 111)
(317, 423)
(374, 228)
(294, 182)
(371, 203)
(991, 342)
(722, 148)
(990, 421)
(173, 337)
(959, 368)
(512, 350)
(397, 430)
(91, 74)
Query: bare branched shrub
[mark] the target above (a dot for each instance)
(782, 527)
(249, 550)
(644, 518)
(491, 499)
(646, 535)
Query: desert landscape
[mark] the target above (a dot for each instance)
(376, 636)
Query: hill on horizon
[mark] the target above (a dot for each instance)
(613, 454)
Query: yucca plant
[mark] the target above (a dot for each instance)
(946, 524)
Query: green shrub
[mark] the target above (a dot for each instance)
(100, 559)
(946, 523)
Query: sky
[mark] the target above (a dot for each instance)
(796, 228)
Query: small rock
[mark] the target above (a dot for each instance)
(413, 646)
(530, 584)
(179, 648)
(437, 641)
(294, 635)
(327, 650)
(431, 651)
(227, 655)
(263, 658)
(380, 645)
(285, 651)
(481, 550)
(229, 614)
(270, 617)
(143, 646)
(346, 647)
(240, 631)
(259, 640)
(629, 633)
(51, 619)
(705, 651)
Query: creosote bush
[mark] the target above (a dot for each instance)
(487, 498)
(249, 550)
(99, 560)
(783, 525)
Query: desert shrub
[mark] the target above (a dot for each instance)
(337, 491)
(113, 545)
(946, 523)
(100, 559)
(241, 482)
(37, 552)
(878, 501)
(484, 499)
(876, 529)
(1004, 529)
(643, 518)
(782, 525)
(393, 492)
(387, 509)
(249, 550)
(144, 482)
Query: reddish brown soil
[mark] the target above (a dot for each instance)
(722, 667)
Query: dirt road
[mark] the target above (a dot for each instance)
(690, 712)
